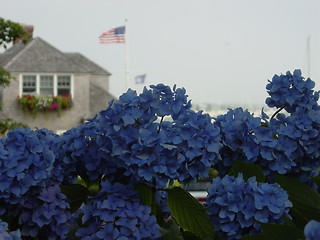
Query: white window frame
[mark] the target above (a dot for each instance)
(55, 82)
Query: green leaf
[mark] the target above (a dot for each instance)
(277, 232)
(5, 78)
(254, 237)
(145, 193)
(317, 180)
(157, 211)
(189, 236)
(76, 194)
(189, 213)
(281, 232)
(171, 231)
(6, 124)
(92, 186)
(147, 196)
(248, 170)
(305, 200)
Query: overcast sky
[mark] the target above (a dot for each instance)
(220, 51)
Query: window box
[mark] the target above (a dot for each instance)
(35, 103)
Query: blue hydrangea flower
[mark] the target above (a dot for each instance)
(46, 215)
(6, 235)
(284, 145)
(197, 142)
(156, 135)
(288, 145)
(28, 160)
(237, 129)
(117, 213)
(312, 230)
(296, 151)
(236, 206)
(81, 155)
(297, 130)
(290, 91)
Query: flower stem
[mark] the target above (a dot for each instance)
(276, 112)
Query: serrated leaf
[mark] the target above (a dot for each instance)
(248, 170)
(76, 194)
(305, 200)
(189, 213)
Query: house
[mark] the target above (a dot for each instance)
(52, 89)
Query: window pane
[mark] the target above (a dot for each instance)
(46, 85)
(29, 91)
(63, 91)
(46, 92)
(28, 84)
(46, 81)
(64, 85)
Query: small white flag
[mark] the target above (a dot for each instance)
(140, 79)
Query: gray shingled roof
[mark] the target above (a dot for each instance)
(88, 64)
(10, 54)
(39, 56)
(96, 94)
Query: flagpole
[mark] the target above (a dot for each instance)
(308, 55)
(126, 55)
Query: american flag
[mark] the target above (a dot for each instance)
(115, 35)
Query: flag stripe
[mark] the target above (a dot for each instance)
(115, 35)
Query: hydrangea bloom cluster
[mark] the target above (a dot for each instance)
(285, 144)
(312, 230)
(26, 160)
(156, 134)
(117, 213)
(5, 235)
(236, 206)
(296, 151)
(46, 215)
(80, 155)
(290, 91)
(297, 132)
(237, 128)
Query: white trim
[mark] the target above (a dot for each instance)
(55, 85)
(72, 86)
(38, 84)
(20, 85)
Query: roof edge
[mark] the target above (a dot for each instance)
(27, 45)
